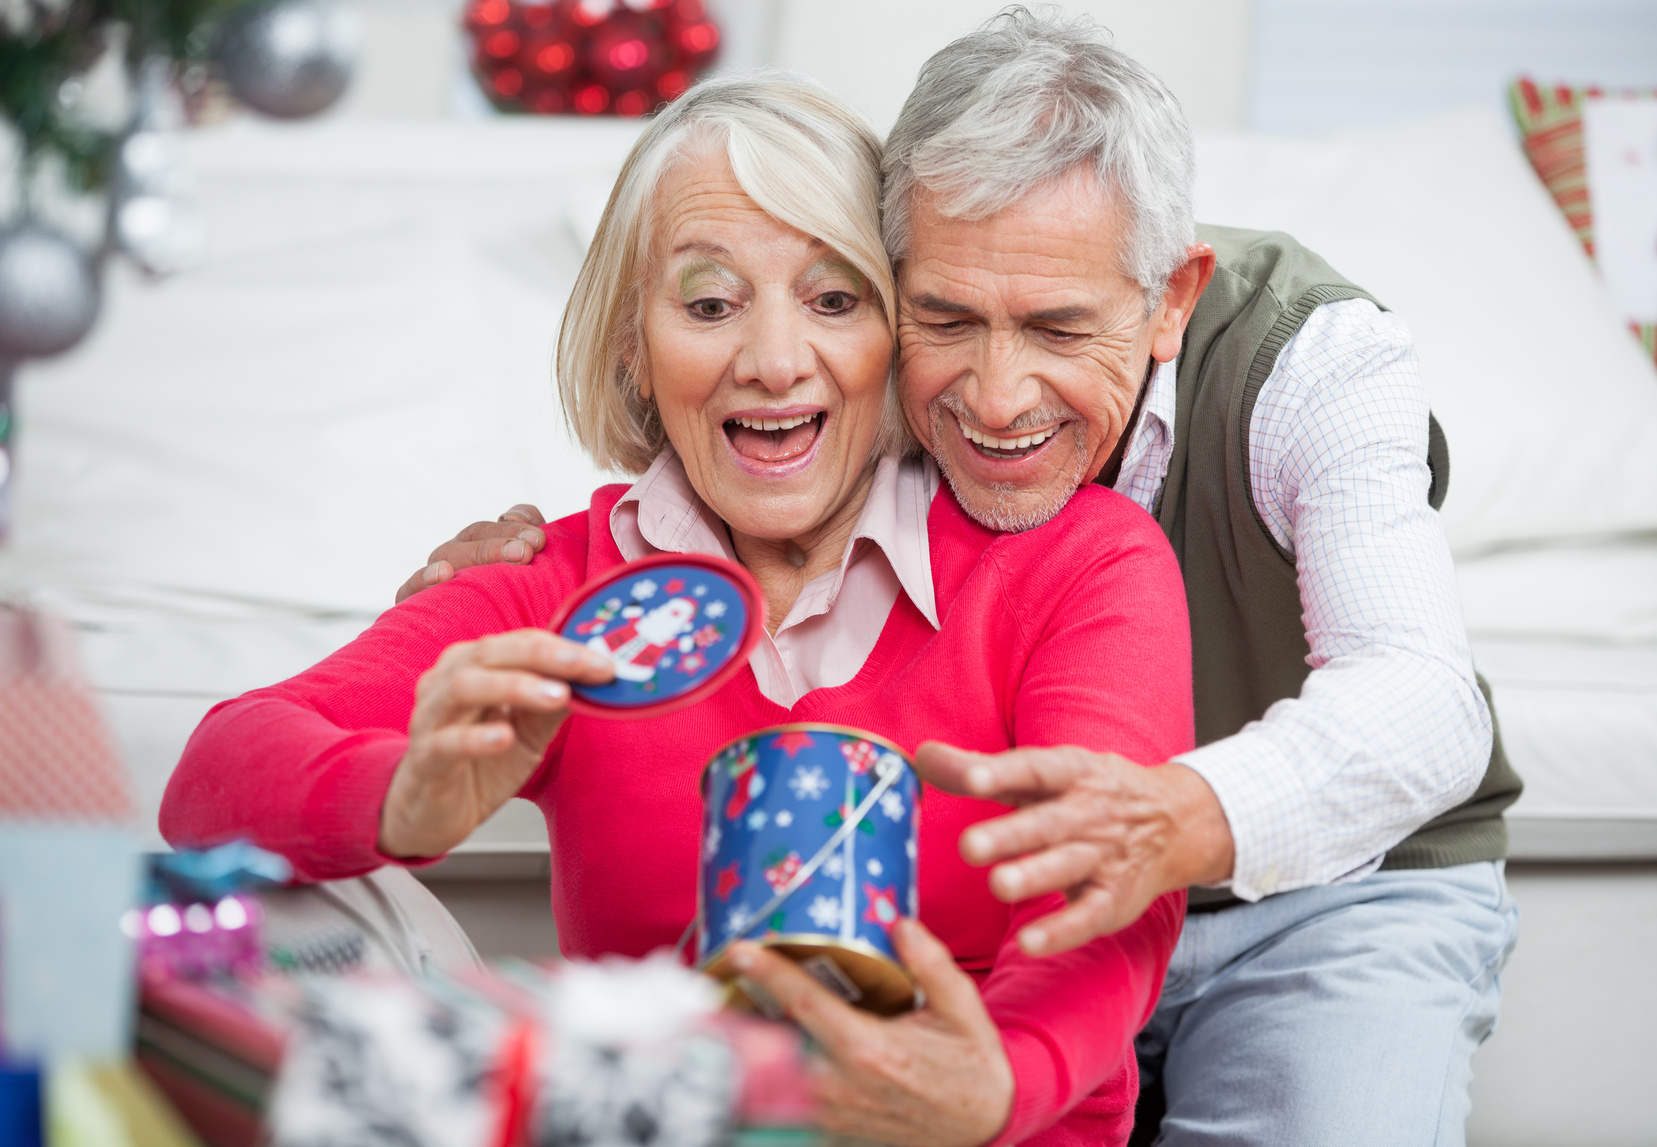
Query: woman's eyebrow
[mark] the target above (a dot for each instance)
(699, 269)
(835, 263)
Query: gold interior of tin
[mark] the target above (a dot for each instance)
(887, 988)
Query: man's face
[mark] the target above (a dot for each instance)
(1021, 347)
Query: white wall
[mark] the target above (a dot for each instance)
(870, 50)
(1330, 63)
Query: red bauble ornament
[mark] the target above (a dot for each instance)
(590, 57)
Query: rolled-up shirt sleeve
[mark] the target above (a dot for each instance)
(1390, 728)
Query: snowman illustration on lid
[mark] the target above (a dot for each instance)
(638, 644)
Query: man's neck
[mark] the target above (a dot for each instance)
(1113, 465)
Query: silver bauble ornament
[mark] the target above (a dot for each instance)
(49, 292)
(288, 58)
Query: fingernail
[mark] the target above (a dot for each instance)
(1035, 939)
(531, 537)
(980, 779)
(1011, 881)
(742, 959)
(430, 574)
(566, 655)
(514, 551)
(556, 690)
(974, 843)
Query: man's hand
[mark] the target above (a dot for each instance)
(1108, 833)
(514, 537)
(937, 1077)
(483, 717)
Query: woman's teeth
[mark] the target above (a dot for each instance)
(1022, 442)
(774, 423)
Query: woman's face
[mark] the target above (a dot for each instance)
(765, 352)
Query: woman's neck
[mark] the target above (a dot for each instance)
(785, 566)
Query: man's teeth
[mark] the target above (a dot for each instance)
(1019, 443)
(774, 423)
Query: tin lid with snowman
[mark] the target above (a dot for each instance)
(676, 626)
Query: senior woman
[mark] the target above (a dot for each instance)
(730, 336)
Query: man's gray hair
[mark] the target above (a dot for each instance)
(1021, 101)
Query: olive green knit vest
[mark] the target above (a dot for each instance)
(1248, 642)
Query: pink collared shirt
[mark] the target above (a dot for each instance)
(836, 620)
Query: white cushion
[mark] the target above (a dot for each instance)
(1549, 406)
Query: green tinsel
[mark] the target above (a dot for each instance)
(62, 42)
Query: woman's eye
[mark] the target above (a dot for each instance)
(837, 301)
(710, 308)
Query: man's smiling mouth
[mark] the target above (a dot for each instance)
(1012, 447)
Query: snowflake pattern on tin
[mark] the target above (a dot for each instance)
(891, 804)
(711, 846)
(783, 819)
(808, 783)
(715, 610)
(756, 820)
(834, 865)
(825, 913)
(739, 920)
(642, 589)
(874, 868)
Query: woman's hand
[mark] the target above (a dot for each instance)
(483, 717)
(937, 1077)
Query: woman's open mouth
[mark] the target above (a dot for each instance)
(1010, 448)
(767, 443)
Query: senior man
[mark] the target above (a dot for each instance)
(1063, 321)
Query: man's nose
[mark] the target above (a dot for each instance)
(1002, 388)
(778, 353)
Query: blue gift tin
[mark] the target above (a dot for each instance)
(808, 846)
(675, 626)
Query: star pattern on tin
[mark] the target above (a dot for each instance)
(792, 742)
(883, 905)
(728, 880)
(674, 585)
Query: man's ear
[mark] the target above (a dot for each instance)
(1185, 287)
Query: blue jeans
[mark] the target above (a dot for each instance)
(1344, 1015)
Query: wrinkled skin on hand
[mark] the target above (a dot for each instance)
(1110, 834)
(936, 1077)
(515, 537)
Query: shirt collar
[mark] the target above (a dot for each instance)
(662, 513)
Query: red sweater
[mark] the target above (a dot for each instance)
(1073, 633)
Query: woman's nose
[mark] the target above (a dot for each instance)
(778, 353)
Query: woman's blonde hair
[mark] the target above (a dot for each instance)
(804, 157)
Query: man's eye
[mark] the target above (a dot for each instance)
(953, 326)
(710, 308)
(1061, 336)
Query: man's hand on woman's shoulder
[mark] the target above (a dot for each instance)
(1110, 834)
(515, 537)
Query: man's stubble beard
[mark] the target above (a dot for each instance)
(1001, 514)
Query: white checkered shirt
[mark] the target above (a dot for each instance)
(1390, 728)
